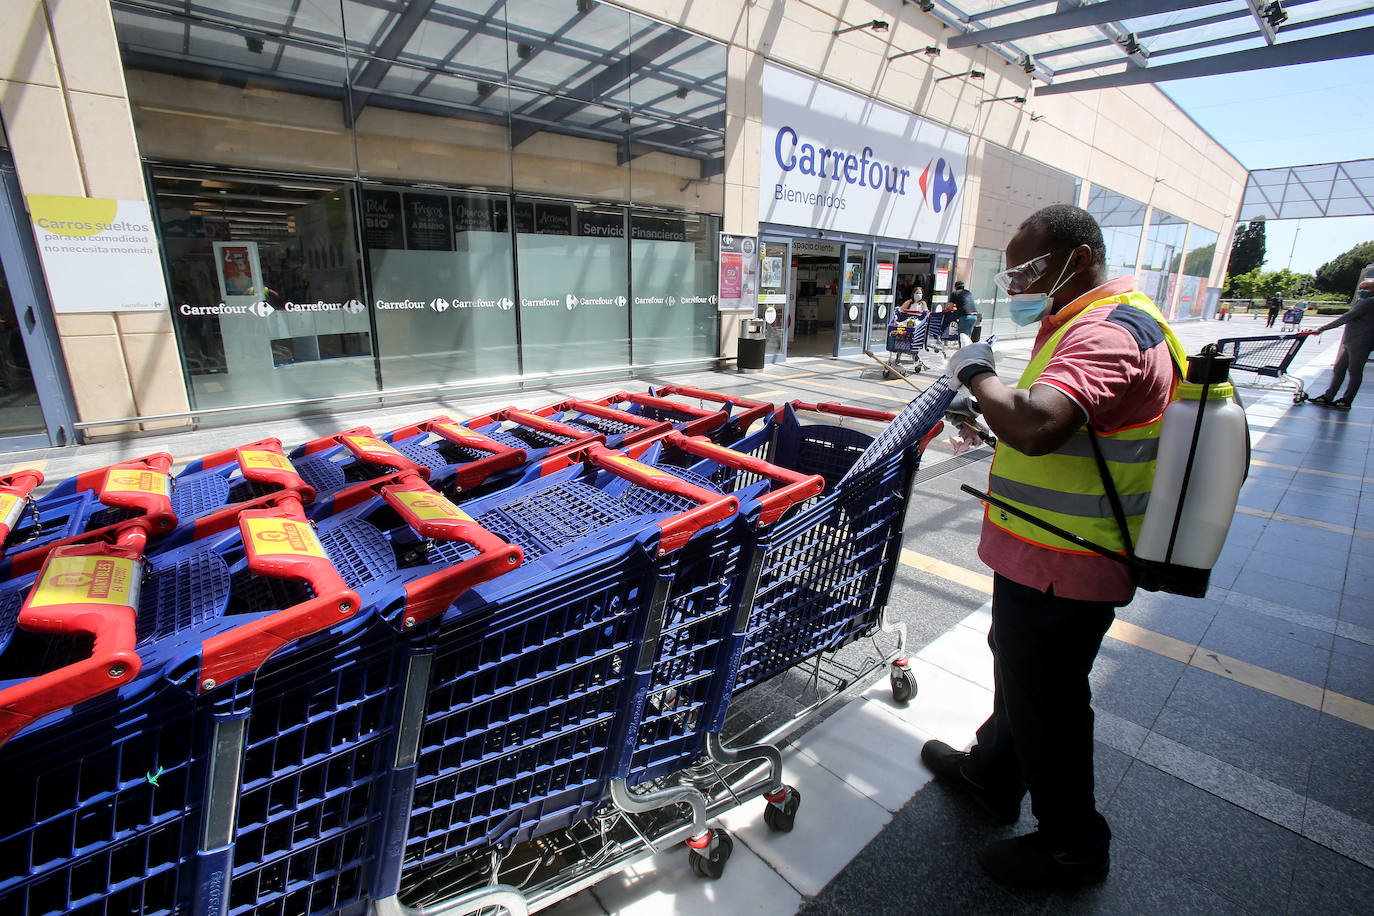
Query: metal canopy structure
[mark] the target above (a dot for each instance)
(1073, 45)
(1305, 191)
(571, 67)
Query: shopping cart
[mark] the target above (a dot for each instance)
(743, 412)
(15, 495)
(626, 418)
(944, 331)
(1267, 358)
(541, 438)
(1292, 318)
(235, 475)
(330, 463)
(90, 501)
(910, 340)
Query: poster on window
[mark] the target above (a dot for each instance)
(739, 265)
(238, 270)
(98, 254)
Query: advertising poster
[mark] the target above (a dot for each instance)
(472, 214)
(770, 272)
(427, 223)
(382, 228)
(739, 259)
(238, 270)
(98, 254)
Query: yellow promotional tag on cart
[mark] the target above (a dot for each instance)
(254, 458)
(461, 433)
(371, 444)
(430, 506)
(130, 480)
(87, 580)
(283, 535)
(11, 507)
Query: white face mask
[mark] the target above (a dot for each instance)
(1028, 308)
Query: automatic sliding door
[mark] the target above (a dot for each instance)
(853, 300)
(775, 295)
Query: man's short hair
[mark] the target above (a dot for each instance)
(958, 284)
(1067, 227)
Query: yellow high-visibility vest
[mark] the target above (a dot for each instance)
(1065, 487)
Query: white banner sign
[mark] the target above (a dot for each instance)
(98, 255)
(831, 159)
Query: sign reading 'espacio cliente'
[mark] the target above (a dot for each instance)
(832, 159)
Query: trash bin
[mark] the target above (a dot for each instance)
(752, 341)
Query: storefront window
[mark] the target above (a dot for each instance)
(673, 275)
(267, 290)
(573, 285)
(1195, 267)
(1160, 261)
(1121, 219)
(443, 285)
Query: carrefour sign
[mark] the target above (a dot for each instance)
(832, 159)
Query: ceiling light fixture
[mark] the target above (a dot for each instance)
(972, 74)
(1017, 99)
(877, 25)
(928, 51)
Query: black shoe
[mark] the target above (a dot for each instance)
(1322, 400)
(1341, 404)
(955, 768)
(1031, 861)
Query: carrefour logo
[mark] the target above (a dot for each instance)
(939, 188)
(570, 302)
(505, 304)
(439, 305)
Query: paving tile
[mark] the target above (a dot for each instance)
(1173, 615)
(964, 652)
(583, 903)
(1337, 780)
(1260, 496)
(1358, 611)
(946, 706)
(1285, 591)
(1352, 675)
(1131, 682)
(1287, 767)
(1283, 618)
(1283, 535)
(926, 862)
(1326, 882)
(1248, 713)
(1299, 555)
(1237, 854)
(1334, 510)
(874, 752)
(666, 884)
(834, 822)
(1257, 641)
(1359, 585)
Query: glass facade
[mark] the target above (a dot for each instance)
(1159, 260)
(494, 188)
(1122, 219)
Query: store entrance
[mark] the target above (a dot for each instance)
(818, 279)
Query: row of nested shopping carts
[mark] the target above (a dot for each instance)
(453, 667)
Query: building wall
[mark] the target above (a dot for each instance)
(70, 125)
(66, 113)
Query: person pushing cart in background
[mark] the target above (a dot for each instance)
(1356, 342)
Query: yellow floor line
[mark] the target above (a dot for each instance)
(1334, 704)
(1306, 522)
(1292, 467)
(37, 464)
(860, 392)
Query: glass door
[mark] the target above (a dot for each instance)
(34, 395)
(884, 300)
(777, 291)
(852, 304)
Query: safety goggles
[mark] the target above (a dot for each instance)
(1018, 279)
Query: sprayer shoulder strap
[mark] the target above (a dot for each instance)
(1113, 497)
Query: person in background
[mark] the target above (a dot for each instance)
(1103, 370)
(1275, 305)
(1356, 342)
(962, 300)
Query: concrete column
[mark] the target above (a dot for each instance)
(66, 114)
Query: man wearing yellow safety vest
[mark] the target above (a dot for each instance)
(1103, 370)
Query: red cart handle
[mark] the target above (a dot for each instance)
(679, 529)
(263, 464)
(844, 410)
(82, 588)
(753, 410)
(218, 459)
(648, 428)
(329, 441)
(279, 542)
(143, 485)
(798, 487)
(433, 516)
(14, 496)
(371, 450)
(502, 457)
(704, 420)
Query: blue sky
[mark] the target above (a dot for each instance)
(1291, 116)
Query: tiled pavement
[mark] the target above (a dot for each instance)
(1235, 734)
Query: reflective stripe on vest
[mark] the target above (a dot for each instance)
(1065, 487)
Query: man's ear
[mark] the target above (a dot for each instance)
(1081, 259)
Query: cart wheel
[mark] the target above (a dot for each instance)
(1299, 397)
(903, 683)
(780, 815)
(711, 864)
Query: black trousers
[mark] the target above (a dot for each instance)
(1040, 734)
(1350, 359)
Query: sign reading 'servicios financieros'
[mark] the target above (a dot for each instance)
(832, 159)
(98, 255)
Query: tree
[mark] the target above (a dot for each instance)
(1342, 273)
(1247, 249)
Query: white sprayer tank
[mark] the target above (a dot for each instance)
(1213, 484)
